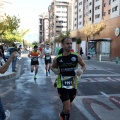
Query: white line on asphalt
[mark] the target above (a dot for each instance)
(81, 107)
(111, 98)
(90, 75)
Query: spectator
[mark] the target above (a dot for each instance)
(41, 49)
(81, 51)
(2, 52)
(14, 62)
(5, 114)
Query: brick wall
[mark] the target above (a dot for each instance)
(108, 32)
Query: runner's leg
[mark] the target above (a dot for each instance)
(32, 68)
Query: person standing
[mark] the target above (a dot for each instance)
(14, 62)
(34, 60)
(5, 114)
(65, 66)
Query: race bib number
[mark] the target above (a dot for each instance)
(67, 82)
(48, 57)
(34, 59)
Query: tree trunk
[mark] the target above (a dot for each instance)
(87, 46)
(78, 47)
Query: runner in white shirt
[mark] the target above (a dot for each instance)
(47, 53)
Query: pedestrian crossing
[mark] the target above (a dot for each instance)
(106, 79)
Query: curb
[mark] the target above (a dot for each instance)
(8, 76)
(12, 75)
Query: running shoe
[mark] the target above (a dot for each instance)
(49, 71)
(35, 77)
(7, 113)
(46, 73)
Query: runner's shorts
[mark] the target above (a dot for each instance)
(47, 61)
(67, 94)
(34, 62)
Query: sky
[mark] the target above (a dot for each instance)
(28, 11)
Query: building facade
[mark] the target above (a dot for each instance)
(60, 17)
(5, 7)
(107, 43)
(43, 27)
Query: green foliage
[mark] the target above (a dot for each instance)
(78, 40)
(9, 29)
(61, 36)
(35, 43)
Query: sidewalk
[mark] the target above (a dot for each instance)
(9, 74)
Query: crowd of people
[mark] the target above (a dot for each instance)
(65, 65)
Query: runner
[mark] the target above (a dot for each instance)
(47, 53)
(34, 60)
(65, 66)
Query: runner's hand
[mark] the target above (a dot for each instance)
(78, 72)
(56, 71)
(13, 55)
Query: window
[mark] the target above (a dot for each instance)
(104, 13)
(64, 11)
(90, 19)
(58, 11)
(80, 10)
(97, 16)
(75, 24)
(80, 16)
(80, 3)
(90, 3)
(89, 11)
(109, 2)
(109, 11)
(79, 23)
(58, 6)
(97, 0)
(98, 7)
(104, 4)
(114, 0)
(115, 8)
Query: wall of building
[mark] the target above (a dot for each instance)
(108, 33)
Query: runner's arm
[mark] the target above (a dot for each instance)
(54, 66)
(82, 64)
(29, 55)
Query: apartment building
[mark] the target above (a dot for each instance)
(43, 27)
(108, 42)
(60, 17)
(5, 7)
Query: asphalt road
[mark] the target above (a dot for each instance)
(98, 96)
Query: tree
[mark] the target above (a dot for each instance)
(91, 30)
(78, 41)
(61, 36)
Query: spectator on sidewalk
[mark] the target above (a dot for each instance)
(81, 51)
(14, 62)
(5, 114)
(2, 52)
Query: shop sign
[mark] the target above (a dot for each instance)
(117, 31)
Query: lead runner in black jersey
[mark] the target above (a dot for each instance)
(66, 67)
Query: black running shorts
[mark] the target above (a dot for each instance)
(34, 62)
(67, 94)
(47, 61)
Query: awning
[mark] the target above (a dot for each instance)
(102, 39)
